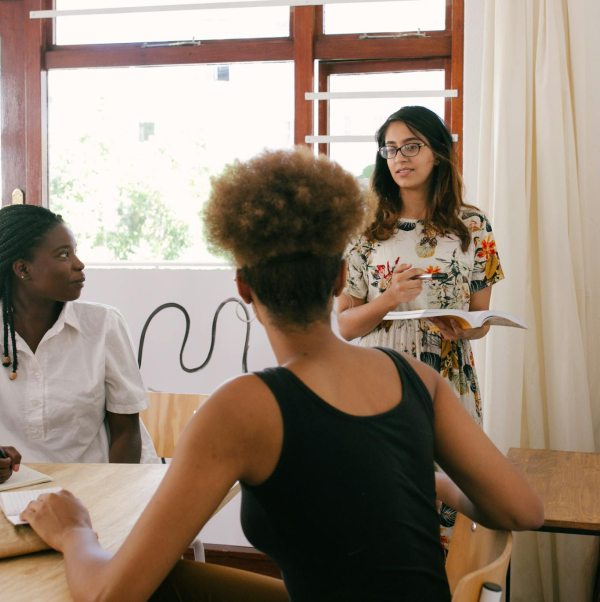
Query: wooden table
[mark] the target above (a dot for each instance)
(569, 485)
(115, 495)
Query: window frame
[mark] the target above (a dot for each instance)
(29, 52)
(328, 68)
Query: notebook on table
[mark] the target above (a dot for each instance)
(14, 502)
(25, 477)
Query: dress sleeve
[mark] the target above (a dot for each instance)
(356, 279)
(124, 388)
(486, 267)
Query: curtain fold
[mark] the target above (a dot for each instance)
(538, 184)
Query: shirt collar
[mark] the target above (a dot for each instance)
(69, 316)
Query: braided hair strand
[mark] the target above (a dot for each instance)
(22, 229)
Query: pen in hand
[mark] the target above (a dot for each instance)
(428, 276)
(15, 461)
(6, 471)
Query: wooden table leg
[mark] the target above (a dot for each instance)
(597, 582)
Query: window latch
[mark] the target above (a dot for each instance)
(384, 36)
(18, 198)
(167, 44)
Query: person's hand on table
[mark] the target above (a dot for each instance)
(54, 516)
(451, 330)
(12, 462)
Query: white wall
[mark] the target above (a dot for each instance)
(137, 292)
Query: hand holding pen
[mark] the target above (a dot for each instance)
(430, 276)
(10, 459)
(405, 285)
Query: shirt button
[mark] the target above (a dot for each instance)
(36, 432)
(36, 374)
(35, 403)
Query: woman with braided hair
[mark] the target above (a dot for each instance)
(334, 447)
(70, 390)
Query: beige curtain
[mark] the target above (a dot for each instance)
(539, 160)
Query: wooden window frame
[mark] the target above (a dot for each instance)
(28, 52)
(327, 69)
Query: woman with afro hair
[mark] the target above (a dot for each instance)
(334, 447)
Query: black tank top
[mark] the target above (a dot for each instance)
(349, 512)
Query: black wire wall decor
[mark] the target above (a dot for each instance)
(187, 332)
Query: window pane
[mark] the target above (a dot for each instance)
(215, 24)
(360, 117)
(131, 150)
(406, 15)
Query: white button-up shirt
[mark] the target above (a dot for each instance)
(55, 410)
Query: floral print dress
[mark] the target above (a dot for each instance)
(370, 268)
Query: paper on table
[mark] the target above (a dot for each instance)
(26, 476)
(14, 502)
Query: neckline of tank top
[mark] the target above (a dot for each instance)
(354, 417)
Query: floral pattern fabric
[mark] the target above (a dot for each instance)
(370, 268)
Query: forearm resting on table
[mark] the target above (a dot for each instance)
(86, 563)
(363, 317)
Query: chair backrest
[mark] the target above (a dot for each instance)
(167, 416)
(476, 557)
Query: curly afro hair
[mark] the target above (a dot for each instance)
(282, 203)
(285, 217)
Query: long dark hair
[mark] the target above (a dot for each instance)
(22, 229)
(442, 213)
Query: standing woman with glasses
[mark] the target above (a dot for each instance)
(422, 226)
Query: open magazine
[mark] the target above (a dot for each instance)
(466, 319)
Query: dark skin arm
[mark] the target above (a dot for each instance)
(125, 438)
(10, 463)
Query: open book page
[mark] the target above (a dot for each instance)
(495, 317)
(26, 476)
(423, 314)
(14, 502)
(466, 319)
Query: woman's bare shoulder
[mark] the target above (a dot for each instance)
(245, 401)
(427, 374)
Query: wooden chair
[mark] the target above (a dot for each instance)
(165, 420)
(476, 557)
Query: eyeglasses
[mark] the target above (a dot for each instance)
(408, 150)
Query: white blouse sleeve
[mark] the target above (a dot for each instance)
(124, 388)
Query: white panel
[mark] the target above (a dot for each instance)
(49, 14)
(387, 94)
